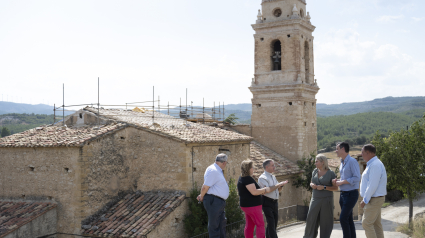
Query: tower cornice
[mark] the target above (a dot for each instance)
(283, 88)
(265, 25)
(263, 1)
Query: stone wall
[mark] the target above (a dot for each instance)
(244, 129)
(286, 125)
(130, 159)
(44, 173)
(172, 225)
(204, 156)
(286, 7)
(40, 226)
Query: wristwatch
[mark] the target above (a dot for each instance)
(324, 187)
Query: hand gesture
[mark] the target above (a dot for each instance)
(200, 199)
(282, 183)
(334, 182)
(313, 186)
(320, 187)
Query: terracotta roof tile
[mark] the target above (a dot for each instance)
(170, 126)
(54, 136)
(135, 215)
(15, 214)
(259, 153)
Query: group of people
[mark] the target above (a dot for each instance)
(258, 197)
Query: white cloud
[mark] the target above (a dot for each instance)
(417, 19)
(389, 18)
(363, 69)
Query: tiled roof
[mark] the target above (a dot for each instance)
(53, 136)
(15, 214)
(135, 215)
(259, 153)
(172, 127)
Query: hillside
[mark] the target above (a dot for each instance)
(20, 122)
(388, 104)
(11, 107)
(360, 128)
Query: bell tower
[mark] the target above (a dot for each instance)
(283, 88)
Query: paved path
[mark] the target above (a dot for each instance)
(391, 217)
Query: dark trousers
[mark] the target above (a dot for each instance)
(347, 200)
(270, 209)
(216, 216)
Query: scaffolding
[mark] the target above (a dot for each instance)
(190, 113)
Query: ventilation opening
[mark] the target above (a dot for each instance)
(264, 19)
(301, 13)
(81, 115)
(31, 168)
(194, 169)
(258, 105)
(122, 138)
(312, 104)
(312, 124)
(305, 123)
(289, 36)
(276, 55)
(305, 104)
(262, 39)
(290, 103)
(23, 195)
(66, 170)
(176, 220)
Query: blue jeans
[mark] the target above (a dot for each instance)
(216, 216)
(347, 200)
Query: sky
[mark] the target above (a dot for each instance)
(363, 50)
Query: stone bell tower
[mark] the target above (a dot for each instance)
(283, 88)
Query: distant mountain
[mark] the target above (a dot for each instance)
(11, 107)
(388, 104)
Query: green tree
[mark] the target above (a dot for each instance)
(307, 165)
(233, 211)
(231, 119)
(5, 132)
(403, 154)
(197, 221)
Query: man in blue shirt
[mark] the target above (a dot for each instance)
(373, 189)
(214, 193)
(348, 185)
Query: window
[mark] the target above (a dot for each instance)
(277, 12)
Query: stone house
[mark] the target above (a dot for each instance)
(94, 160)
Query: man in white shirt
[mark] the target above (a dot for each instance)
(373, 189)
(270, 200)
(214, 193)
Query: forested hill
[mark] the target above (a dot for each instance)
(15, 122)
(360, 128)
(11, 107)
(388, 104)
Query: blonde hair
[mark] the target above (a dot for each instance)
(324, 159)
(245, 167)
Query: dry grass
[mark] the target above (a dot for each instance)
(353, 151)
(418, 230)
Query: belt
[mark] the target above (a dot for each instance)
(215, 196)
(271, 199)
(349, 191)
(378, 197)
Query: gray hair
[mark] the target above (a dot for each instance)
(324, 159)
(221, 158)
(266, 162)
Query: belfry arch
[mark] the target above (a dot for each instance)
(276, 56)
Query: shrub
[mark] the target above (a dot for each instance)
(197, 221)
